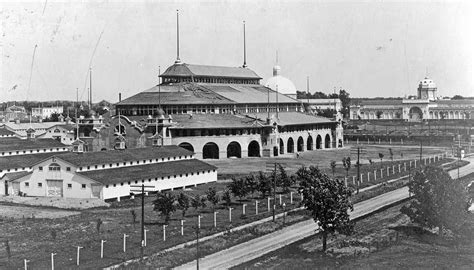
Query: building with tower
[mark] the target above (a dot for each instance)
(426, 106)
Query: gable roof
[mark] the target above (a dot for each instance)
(15, 175)
(17, 144)
(23, 161)
(190, 70)
(6, 132)
(148, 171)
(212, 121)
(295, 118)
(127, 155)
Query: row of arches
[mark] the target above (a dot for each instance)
(211, 150)
(234, 149)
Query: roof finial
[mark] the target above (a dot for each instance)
(178, 61)
(245, 52)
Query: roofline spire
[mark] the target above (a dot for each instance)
(178, 61)
(245, 50)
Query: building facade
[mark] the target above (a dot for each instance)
(425, 107)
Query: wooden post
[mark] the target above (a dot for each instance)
(243, 208)
(368, 176)
(256, 207)
(268, 204)
(52, 260)
(164, 232)
(230, 214)
(353, 180)
(144, 237)
(399, 171)
(361, 178)
(125, 242)
(102, 248)
(199, 221)
(291, 196)
(182, 227)
(375, 175)
(215, 219)
(280, 199)
(388, 172)
(78, 255)
(25, 261)
(381, 173)
(345, 181)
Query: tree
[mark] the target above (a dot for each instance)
(378, 114)
(54, 117)
(198, 202)
(213, 197)
(238, 188)
(391, 153)
(165, 204)
(346, 163)
(328, 113)
(438, 200)
(227, 198)
(381, 159)
(328, 201)
(264, 184)
(333, 167)
(284, 180)
(344, 96)
(457, 97)
(183, 203)
(250, 184)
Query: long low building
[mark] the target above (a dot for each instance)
(109, 174)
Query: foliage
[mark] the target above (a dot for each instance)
(264, 184)
(250, 184)
(165, 204)
(183, 203)
(381, 159)
(198, 202)
(438, 200)
(284, 180)
(346, 163)
(227, 198)
(328, 201)
(457, 97)
(238, 188)
(333, 167)
(213, 197)
(328, 113)
(391, 153)
(379, 114)
(54, 117)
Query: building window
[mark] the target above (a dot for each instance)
(68, 169)
(27, 184)
(69, 185)
(40, 184)
(83, 186)
(40, 168)
(54, 167)
(106, 186)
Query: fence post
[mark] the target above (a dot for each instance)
(125, 242)
(78, 255)
(144, 237)
(268, 204)
(52, 260)
(102, 248)
(230, 214)
(182, 227)
(243, 208)
(199, 221)
(345, 181)
(280, 199)
(368, 176)
(353, 180)
(256, 207)
(164, 232)
(375, 175)
(215, 219)
(291, 197)
(25, 261)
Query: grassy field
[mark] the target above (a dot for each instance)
(386, 240)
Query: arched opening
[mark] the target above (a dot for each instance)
(254, 149)
(103, 149)
(234, 150)
(309, 143)
(187, 146)
(210, 151)
(300, 144)
(318, 142)
(282, 147)
(327, 141)
(290, 146)
(415, 114)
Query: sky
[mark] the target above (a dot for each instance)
(369, 48)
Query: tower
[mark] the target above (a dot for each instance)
(427, 89)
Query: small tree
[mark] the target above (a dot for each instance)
(183, 203)
(165, 204)
(264, 184)
(346, 162)
(333, 167)
(328, 201)
(391, 153)
(379, 114)
(213, 197)
(134, 216)
(238, 188)
(438, 200)
(226, 197)
(284, 180)
(196, 202)
(250, 184)
(381, 159)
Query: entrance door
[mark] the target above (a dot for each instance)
(55, 188)
(96, 191)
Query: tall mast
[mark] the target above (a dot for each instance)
(245, 50)
(90, 88)
(178, 61)
(277, 108)
(77, 120)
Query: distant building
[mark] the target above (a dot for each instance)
(425, 107)
(13, 113)
(46, 112)
(111, 174)
(281, 84)
(39, 128)
(314, 105)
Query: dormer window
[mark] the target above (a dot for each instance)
(54, 167)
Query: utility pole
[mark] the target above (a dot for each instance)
(197, 248)
(143, 218)
(421, 150)
(358, 169)
(274, 191)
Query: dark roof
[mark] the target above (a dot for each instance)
(4, 131)
(15, 175)
(185, 121)
(294, 118)
(17, 144)
(189, 70)
(23, 161)
(115, 156)
(207, 93)
(456, 101)
(148, 171)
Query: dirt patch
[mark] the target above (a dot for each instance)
(63, 203)
(22, 212)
